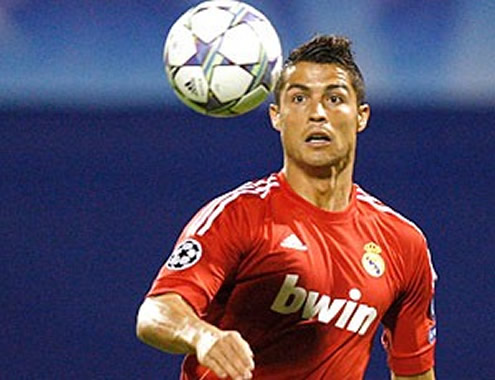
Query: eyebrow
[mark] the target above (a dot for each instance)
(327, 88)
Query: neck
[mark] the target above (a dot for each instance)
(327, 188)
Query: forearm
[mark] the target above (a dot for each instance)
(429, 375)
(168, 323)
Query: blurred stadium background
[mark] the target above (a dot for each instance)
(101, 166)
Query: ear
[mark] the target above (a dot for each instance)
(275, 116)
(364, 112)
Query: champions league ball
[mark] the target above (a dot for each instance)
(222, 58)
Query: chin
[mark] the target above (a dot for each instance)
(325, 161)
(328, 165)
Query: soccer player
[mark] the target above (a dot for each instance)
(289, 277)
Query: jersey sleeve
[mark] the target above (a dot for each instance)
(207, 253)
(410, 328)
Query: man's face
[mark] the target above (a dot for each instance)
(318, 116)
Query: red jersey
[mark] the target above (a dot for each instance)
(306, 288)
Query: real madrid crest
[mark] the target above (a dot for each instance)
(372, 260)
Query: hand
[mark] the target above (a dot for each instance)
(226, 353)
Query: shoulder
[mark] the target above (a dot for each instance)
(391, 220)
(408, 239)
(245, 204)
(251, 194)
(255, 190)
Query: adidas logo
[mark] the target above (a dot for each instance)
(191, 86)
(293, 242)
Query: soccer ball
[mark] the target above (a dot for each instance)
(222, 58)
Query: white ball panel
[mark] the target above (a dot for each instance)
(191, 81)
(210, 23)
(241, 45)
(267, 33)
(180, 45)
(229, 82)
(269, 38)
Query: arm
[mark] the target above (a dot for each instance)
(409, 324)
(428, 375)
(168, 323)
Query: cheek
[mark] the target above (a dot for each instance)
(290, 123)
(345, 120)
(344, 112)
(346, 125)
(287, 136)
(292, 115)
(290, 135)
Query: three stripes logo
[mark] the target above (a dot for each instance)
(191, 86)
(203, 221)
(293, 242)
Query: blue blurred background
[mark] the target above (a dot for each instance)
(101, 166)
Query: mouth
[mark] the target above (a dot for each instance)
(318, 138)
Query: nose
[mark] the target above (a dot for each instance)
(317, 112)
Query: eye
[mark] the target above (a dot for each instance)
(335, 99)
(298, 98)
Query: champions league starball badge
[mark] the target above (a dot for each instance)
(185, 255)
(372, 260)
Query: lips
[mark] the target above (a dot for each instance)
(318, 137)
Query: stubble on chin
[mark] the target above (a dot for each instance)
(328, 168)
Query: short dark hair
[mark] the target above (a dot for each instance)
(325, 49)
